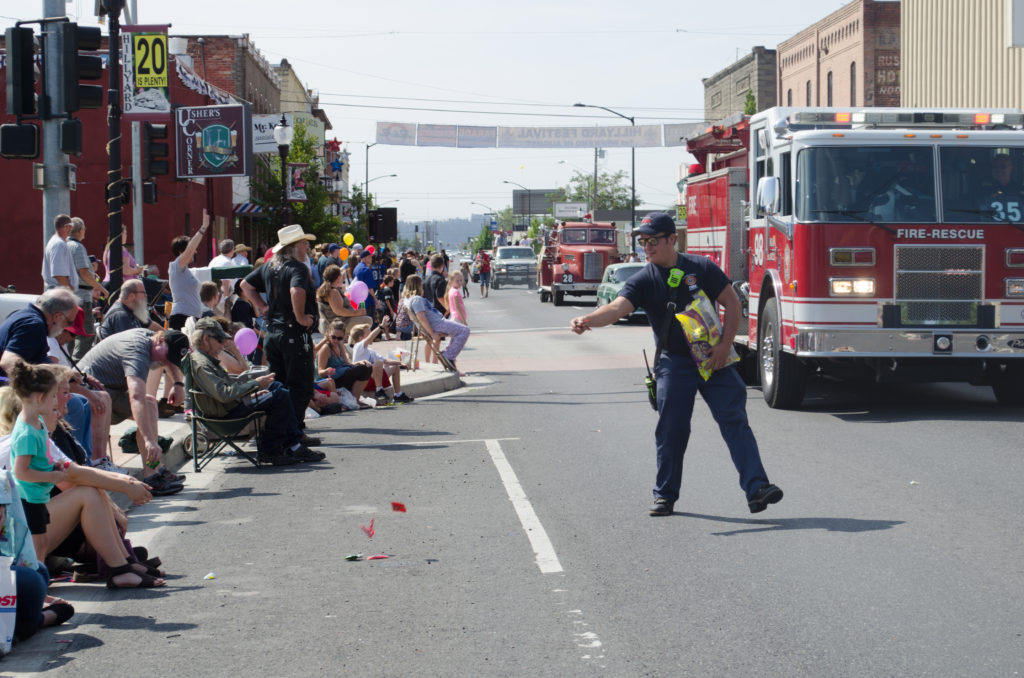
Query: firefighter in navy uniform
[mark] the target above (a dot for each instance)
(290, 312)
(676, 372)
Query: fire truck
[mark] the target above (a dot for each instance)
(880, 242)
(574, 258)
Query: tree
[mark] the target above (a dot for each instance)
(313, 214)
(613, 190)
(750, 105)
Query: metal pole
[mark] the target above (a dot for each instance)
(137, 237)
(114, 145)
(593, 204)
(366, 185)
(56, 194)
(285, 212)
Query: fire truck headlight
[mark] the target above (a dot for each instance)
(852, 287)
(1015, 287)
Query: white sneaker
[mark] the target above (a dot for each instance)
(105, 464)
(311, 413)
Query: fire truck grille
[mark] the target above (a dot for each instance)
(939, 285)
(593, 265)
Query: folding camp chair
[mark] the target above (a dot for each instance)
(423, 333)
(211, 436)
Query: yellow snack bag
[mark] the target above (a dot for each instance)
(703, 330)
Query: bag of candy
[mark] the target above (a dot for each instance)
(703, 330)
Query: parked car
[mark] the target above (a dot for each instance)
(615, 276)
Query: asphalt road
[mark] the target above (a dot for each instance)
(526, 549)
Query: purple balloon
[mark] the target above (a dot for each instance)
(358, 292)
(246, 340)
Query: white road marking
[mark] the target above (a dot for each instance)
(426, 442)
(521, 329)
(547, 560)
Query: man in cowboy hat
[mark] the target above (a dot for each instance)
(290, 312)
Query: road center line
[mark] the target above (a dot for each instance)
(547, 560)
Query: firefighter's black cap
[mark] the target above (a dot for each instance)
(656, 223)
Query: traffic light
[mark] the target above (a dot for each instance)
(154, 151)
(149, 192)
(75, 67)
(19, 140)
(71, 136)
(21, 91)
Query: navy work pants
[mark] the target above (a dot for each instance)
(726, 395)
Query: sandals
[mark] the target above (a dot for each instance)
(63, 612)
(147, 581)
(142, 556)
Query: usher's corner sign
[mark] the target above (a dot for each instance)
(213, 141)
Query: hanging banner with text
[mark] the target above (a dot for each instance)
(213, 141)
(473, 136)
(144, 77)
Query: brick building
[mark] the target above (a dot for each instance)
(725, 92)
(849, 58)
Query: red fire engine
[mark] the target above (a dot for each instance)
(880, 242)
(574, 258)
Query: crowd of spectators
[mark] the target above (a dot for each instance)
(73, 364)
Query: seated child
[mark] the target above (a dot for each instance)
(361, 337)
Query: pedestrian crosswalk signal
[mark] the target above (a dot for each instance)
(21, 91)
(154, 151)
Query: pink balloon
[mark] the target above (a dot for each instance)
(246, 340)
(357, 291)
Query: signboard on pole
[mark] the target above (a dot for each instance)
(213, 141)
(570, 210)
(144, 79)
(296, 184)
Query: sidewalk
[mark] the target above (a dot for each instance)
(430, 379)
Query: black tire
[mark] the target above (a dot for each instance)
(783, 376)
(545, 297)
(495, 284)
(1008, 385)
(559, 298)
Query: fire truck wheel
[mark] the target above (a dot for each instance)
(1008, 385)
(559, 298)
(783, 377)
(545, 297)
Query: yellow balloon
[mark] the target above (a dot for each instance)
(348, 239)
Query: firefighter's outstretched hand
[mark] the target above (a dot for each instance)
(719, 355)
(579, 324)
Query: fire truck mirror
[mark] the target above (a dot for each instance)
(767, 195)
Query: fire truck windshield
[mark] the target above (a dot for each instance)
(982, 184)
(866, 183)
(602, 236)
(879, 184)
(574, 236)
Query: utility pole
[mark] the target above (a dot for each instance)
(113, 9)
(56, 192)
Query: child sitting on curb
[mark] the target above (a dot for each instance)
(361, 337)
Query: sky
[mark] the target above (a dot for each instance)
(520, 63)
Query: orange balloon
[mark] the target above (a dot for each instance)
(343, 253)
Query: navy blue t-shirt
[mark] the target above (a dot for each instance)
(649, 289)
(25, 332)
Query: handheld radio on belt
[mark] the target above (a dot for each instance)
(675, 276)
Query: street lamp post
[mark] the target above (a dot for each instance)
(632, 170)
(283, 134)
(529, 201)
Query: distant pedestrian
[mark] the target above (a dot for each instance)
(58, 266)
(483, 262)
(89, 287)
(678, 379)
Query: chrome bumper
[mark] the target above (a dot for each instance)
(814, 342)
(589, 288)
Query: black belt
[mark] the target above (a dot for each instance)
(85, 287)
